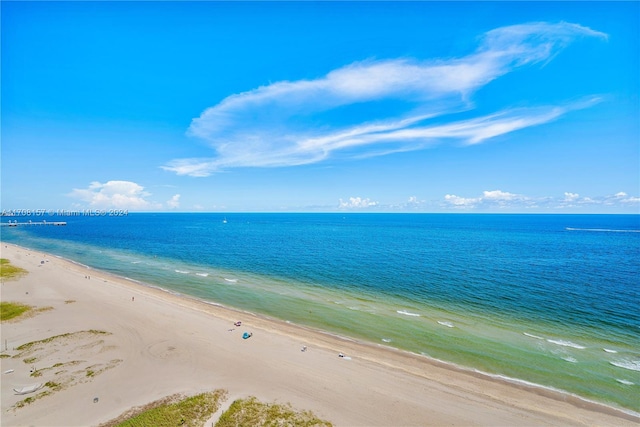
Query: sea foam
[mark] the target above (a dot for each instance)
(633, 365)
(532, 336)
(566, 344)
(407, 313)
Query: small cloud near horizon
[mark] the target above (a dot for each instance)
(502, 200)
(120, 195)
(357, 203)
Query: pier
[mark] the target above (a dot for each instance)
(16, 223)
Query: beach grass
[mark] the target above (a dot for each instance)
(9, 271)
(251, 412)
(11, 310)
(175, 410)
(30, 345)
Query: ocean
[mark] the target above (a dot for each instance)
(550, 300)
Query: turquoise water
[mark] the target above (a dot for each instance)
(547, 299)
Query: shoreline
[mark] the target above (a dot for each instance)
(514, 397)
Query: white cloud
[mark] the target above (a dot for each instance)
(461, 202)
(498, 200)
(631, 200)
(624, 198)
(115, 194)
(174, 202)
(357, 203)
(283, 124)
(499, 195)
(414, 201)
(490, 199)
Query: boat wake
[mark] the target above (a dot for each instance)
(602, 230)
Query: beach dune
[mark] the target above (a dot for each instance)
(112, 344)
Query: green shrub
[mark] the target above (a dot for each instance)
(8, 271)
(173, 411)
(251, 412)
(10, 310)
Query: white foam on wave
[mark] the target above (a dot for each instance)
(407, 313)
(633, 365)
(386, 340)
(625, 382)
(231, 280)
(528, 384)
(609, 350)
(447, 324)
(202, 274)
(181, 271)
(136, 262)
(566, 344)
(532, 336)
(570, 359)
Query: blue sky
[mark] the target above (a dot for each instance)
(321, 106)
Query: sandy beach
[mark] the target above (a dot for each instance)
(126, 344)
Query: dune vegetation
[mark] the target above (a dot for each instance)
(10, 271)
(194, 411)
(10, 310)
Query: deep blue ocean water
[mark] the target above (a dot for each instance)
(547, 299)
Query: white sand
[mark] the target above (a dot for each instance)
(160, 344)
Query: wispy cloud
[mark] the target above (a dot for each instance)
(119, 195)
(344, 112)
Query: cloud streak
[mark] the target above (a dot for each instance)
(377, 107)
